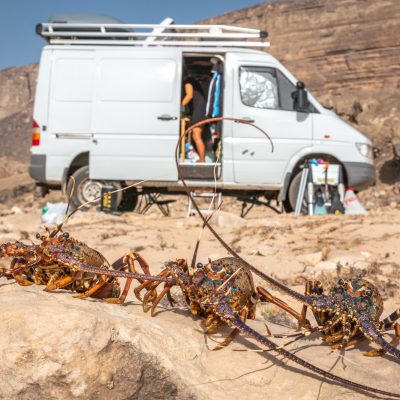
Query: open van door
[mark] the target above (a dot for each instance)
(135, 119)
(262, 94)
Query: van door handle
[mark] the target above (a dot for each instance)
(166, 117)
(248, 119)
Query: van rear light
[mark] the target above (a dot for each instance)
(35, 134)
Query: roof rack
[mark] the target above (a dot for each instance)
(164, 34)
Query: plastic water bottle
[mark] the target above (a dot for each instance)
(319, 208)
(191, 153)
(351, 204)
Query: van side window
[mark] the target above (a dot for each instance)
(286, 88)
(259, 87)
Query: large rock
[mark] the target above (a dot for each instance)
(53, 346)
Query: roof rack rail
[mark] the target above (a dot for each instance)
(151, 34)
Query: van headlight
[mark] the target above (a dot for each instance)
(365, 150)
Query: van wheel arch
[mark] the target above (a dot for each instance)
(293, 187)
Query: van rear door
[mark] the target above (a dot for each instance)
(261, 93)
(135, 121)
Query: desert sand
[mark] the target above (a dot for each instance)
(53, 345)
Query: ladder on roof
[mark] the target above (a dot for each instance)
(151, 34)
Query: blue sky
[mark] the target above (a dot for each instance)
(19, 45)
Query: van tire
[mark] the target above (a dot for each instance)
(87, 189)
(129, 200)
(291, 198)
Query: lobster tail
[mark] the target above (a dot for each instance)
(225, 311)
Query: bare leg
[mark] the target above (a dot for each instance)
(198, 140)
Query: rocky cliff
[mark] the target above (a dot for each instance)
(346, 51)
(17, 90)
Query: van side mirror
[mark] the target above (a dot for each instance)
(300, 98)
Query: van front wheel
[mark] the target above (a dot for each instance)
(291, 197)
(88, 190)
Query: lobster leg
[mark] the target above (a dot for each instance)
(268, 297)
(129, 260)
(150, 296)
(233, 334)
(158, 299)
(389, 321)
(18, 275)
(91, 291)
(213, 322)
(61, 283)
(145, 284)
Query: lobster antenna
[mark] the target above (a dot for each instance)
(193, 263)
(262, 275)
(59, 226)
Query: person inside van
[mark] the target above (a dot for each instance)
(195, 100)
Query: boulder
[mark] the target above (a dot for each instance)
(53, 346)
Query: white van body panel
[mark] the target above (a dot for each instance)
(133, 90)
(63, 107)
(105, 101)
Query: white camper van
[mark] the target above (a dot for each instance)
(108, 111)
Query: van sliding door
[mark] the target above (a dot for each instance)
(135, 121)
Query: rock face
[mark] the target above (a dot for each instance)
(17, 91)
(337, 47)
(53, 346)
(346, 51)
(74, 352)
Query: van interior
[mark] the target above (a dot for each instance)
(200, 67)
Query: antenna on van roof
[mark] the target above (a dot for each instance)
(75, 31)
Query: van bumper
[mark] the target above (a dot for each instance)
(37, 167)
(360, 175)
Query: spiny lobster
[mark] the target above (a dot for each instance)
(221, 292)
(349, 313)
(319, 302)
(34, 263)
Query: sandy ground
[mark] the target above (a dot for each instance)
(290, 249)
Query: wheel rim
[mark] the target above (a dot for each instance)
(89, 191)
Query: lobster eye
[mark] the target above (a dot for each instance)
(199, 265)
(38, 236)
(368, 292)
(66, 235)
(341, 282)
(229, 271)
